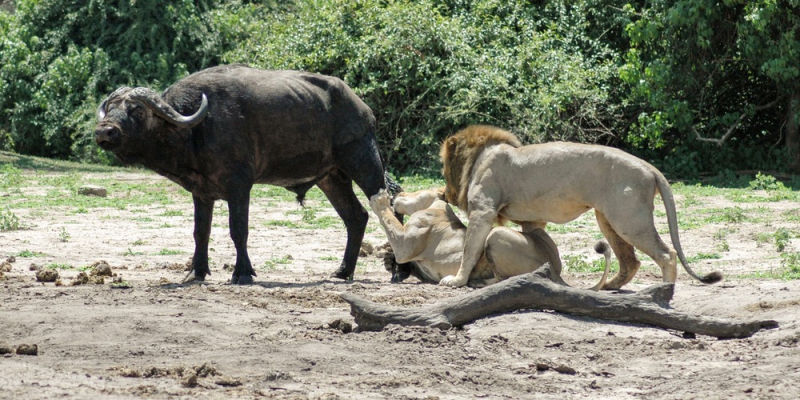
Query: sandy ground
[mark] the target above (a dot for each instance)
(288, 335)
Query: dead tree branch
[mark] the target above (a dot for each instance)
(736, 124)
(539, 290)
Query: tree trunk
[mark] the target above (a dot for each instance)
(539, 290)
(792, 138)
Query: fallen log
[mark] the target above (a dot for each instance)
(543, 289)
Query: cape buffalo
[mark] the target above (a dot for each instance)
(221, 130)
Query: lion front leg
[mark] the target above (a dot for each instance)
(403, 245)
(480, 225)
(409, 203)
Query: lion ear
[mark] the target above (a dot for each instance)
(452, 142)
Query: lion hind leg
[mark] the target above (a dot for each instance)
(624, 251)
(510, 253)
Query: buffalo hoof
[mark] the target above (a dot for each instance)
(343, 274)
(242, 279)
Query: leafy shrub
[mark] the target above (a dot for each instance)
(9, 221)
(59, 58)
(430, 67)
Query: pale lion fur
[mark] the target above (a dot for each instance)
(491, 176)
(433, 240)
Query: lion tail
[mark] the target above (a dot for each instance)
(672, 221)
(601, 247)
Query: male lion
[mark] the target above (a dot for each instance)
(432, 242)
(491, 176)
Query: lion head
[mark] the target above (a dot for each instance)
(459, 153)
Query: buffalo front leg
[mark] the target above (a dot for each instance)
(203, 210)
(339, 191)
(238, 216)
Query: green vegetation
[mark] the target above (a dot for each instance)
(703, 256)
(9, 221)
(274, 264)
(63, 235)
(28, 253)
(654, 78)
(59, 266)
(580, 263)
(169, 252)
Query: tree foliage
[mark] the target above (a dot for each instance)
(429, 67)
(714, 82)
(691, 85)
(58, 58)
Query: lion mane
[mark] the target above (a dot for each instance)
(459, 153)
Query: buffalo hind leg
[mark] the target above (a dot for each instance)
(339, 191)
(238, 217)
(624, 251)
(203, 210)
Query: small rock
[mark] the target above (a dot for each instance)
(5, 266)
(130, 373)
(343, 326)
(190, 381)
(34, 267)
(2, 276)
(28, 349)
(228, 381)
(11, 260)
(6, 349)
(563, 369)
(92, 190)
(46, 275)
(542, 367)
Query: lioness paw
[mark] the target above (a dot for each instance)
(380, 200)
(451, 281)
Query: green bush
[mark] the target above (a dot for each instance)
(428, 68)
(645, 76)
(58, 59)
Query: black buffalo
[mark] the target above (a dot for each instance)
(221, 130)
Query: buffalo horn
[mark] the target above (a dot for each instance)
(160, 107)
(101, 111)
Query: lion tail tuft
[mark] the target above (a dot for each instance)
(713, 277)
(601, 247)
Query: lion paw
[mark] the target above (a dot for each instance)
(451, 281)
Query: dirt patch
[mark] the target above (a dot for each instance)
(290, 335)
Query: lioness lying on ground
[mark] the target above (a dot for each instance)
(491, 176)
(432, 242)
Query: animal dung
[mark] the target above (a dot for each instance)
(46, 275)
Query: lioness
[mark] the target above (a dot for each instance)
(432, 241)
(491, 176)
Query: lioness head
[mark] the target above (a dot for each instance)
(459, 153)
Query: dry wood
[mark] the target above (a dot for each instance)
(543, 289)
